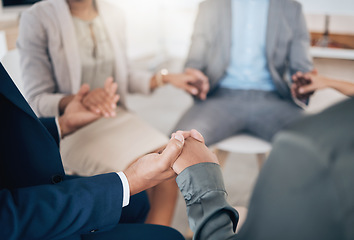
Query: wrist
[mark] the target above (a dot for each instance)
(162, 77)
(63, 125)
(131, 179)
(64, 102)
(330, 83)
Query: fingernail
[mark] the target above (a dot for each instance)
(179, 132)
(301, 90)
(179, 137)
(199, 134)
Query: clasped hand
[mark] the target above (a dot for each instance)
(104, 100)
(86, 107)
(192, 80)
(182, 151)
(305, 84)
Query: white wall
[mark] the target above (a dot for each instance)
(338, 24)
(164, 27)
(332, 7)
(158, 27)
(341, 14)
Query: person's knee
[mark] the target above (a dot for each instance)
(192, 119)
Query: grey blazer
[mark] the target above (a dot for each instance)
(304, 191)
(287, 41)
(50, 60)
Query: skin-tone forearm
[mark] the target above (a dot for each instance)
(346, 88)
(316, 82)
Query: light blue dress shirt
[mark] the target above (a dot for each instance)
(248, 67)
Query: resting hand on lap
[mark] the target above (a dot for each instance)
(192, 80)
(76, 115)
(317, 82)
(103, 100)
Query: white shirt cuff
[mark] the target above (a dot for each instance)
(126, 189)
(58, 127)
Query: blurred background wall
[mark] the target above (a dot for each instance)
(162, 28)
(165, 26)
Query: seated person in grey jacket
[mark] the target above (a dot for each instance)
(303, 192)
(246, 49)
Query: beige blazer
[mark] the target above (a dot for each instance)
(50, 60)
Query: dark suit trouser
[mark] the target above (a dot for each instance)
(137, 231)
(131, 225)
(137, 210)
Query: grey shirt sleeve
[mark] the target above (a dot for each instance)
(210, 216)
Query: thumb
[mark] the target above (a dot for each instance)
(108, 82)
(110, 86)
(197, 136)
(173, 149)
(192, 90)
(85, 88)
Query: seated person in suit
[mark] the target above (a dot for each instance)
(66, 43)
(246, 49)
(306, 83)
(304, 190)
(38, 201)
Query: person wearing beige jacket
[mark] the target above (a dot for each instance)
(66, 43)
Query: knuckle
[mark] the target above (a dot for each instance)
(174, 147)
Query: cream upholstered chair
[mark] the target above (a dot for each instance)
(243, 143)
(3, 44)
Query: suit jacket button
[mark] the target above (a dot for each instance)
(188, 197)
(56, 179)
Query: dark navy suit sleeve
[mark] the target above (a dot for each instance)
(69, 208)
(52, 128)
